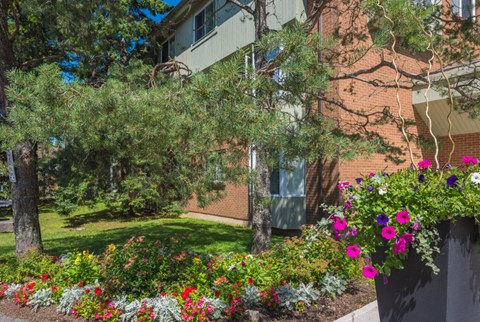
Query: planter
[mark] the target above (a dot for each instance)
(415, 294)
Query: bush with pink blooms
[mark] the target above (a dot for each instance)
(388, 215)
(157, 281)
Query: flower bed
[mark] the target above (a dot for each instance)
(156, 281)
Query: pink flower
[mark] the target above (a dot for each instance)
(353, 251)
(415, 225)
(340, 224)
(403, 217)
(388, 232)
(469, 160)
(400, 245)
(407, 237)
(343, 185)
(369, 271)
(424, 164)
(371, 174)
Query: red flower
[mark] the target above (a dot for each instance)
(187, 292)
(217, 293)
(30, 286)
(87, 291)
(98, 291)
(239, 284)
(243, 263)
(44, 277)
(54, 288)
(80, 284)
(250, 281)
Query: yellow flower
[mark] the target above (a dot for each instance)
(111, 247)
(197, 261)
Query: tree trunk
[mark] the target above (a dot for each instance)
(25, 190)
(25, 199)
(262, 213)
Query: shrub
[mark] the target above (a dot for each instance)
(31, 265)
(80, 267)
(139, 268)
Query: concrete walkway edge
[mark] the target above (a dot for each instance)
(368, 313)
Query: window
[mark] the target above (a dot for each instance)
(204, 22)
(464, 8)
(275, 182)
(288, 183)
(215, 165)
(168, 50)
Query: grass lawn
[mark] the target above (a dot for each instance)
(95, 228)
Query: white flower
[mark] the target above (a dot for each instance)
(475, 178)
(382, 190)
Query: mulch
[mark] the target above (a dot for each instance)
(357, 295)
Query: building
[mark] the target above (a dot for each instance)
(202, 33)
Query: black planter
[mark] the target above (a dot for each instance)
(415, 294)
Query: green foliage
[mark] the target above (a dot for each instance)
(139, 268)
(31, 265)
(310, 257)
(92, 34)
(80, 267)
(139, 148)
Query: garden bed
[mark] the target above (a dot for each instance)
(326, 309)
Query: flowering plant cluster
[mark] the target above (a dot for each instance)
(387, 215)
(157, 281)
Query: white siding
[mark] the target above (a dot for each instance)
(234, 30)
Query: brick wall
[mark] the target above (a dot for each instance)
(234, 205)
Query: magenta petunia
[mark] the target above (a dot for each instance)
(371, 174)
(467, 159)
(340, 224)
(424, 164)
(403, 217)
(400, 245)
(407, 237)
(369, 271)
(388, 232)
(353, 251)
(343, 185)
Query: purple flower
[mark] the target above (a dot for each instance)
(424, 164)
(348, 205)
(421, 178)
(382, 219)
(353, 251)
(400, 245)
(358, 180)
(343, 185)
(415, 225)
(469, 160)
(452, 181)
(369, 271)
(354, 232)
(403, 217)
(407, 237)
(340, 224)
(369, 189)
(388, 232)
(415, 189)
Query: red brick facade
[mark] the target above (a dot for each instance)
(359, 96)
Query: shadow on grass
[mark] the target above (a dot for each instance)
(90, 216)
(199, 237)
